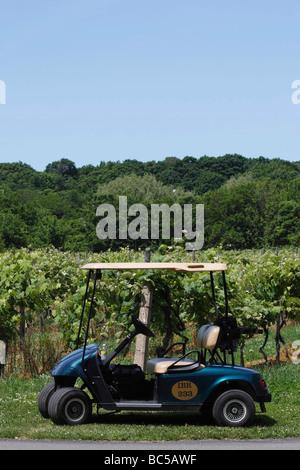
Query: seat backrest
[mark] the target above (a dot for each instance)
(208, 336)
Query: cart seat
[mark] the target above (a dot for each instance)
(160, 365)
(208, 336)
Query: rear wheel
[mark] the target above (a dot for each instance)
(234, 408)
(43, 399)
(70, 405)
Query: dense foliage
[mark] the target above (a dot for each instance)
(38, 283)
(248, 202)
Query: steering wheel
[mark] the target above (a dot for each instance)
(141, 328)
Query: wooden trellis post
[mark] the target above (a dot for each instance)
(2, 357)
(142, 342)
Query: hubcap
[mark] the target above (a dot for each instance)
(75, 409)
(235, 411)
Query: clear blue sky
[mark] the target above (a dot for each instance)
(99, 80)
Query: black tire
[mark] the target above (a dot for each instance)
(43, 399)
(234, 408)
(70, 405)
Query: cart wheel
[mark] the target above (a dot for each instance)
(70, 405)
(43, 399)
(234, 408)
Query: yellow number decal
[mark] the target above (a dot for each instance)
(184, 390)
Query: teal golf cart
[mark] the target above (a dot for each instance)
(204, 379)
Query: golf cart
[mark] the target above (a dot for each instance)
(202, 379)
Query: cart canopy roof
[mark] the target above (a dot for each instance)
(185, 267)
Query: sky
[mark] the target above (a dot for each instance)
(108, 80)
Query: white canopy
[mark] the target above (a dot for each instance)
(185, 267)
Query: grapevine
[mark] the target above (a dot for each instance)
(262, 286)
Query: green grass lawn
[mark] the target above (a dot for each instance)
(20, 418)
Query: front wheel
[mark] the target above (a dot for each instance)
(234, 408)
(70, 405)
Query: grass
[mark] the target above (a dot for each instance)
(20, 418)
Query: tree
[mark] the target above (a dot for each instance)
(232, 217)
(64, 167)
(284, 228)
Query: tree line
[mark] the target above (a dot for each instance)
(248, 202)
